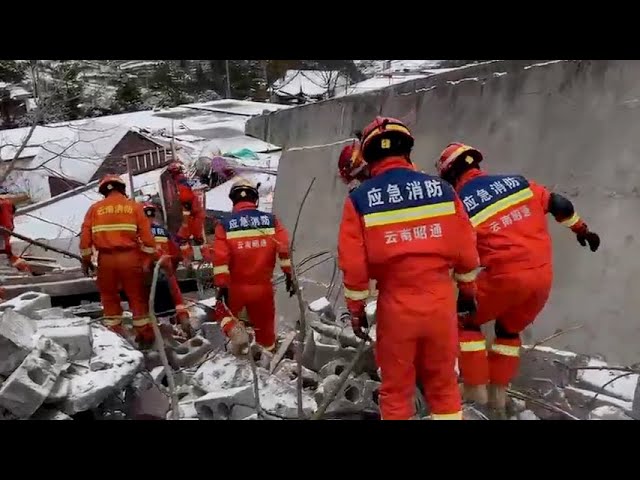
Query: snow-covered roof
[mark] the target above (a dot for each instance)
(63, 218)
(238, 107)
(377, 82)
(370, 67)
(311, 83)
(78, 155)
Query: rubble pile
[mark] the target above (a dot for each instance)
(62, 364)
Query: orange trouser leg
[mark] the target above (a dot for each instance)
(195, 225)
(436, 360)
(108, 281)
(473, 362)
(504, 357)
(262, 314)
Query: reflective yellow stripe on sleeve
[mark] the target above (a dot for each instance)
(570, 222)
(258, 232)
(447, 416)
(506, 350)
(115, 227)
(285, 262)
(112, 320)
(501, 205)
(466, 277)
(161, 239)
(149, 250)
(409, 214)
(475, 346)
(86, 252)
(356, 294)
(219, 270)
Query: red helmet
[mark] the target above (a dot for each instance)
(111, 182)
(351, 165)
(386, 136)
(149, 209)
(175, 168)
(454, 151)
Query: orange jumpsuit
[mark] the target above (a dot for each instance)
(120, 231)
(244, 255)
(6, 221)
(508, 213)
(407, 230)
(167, 247)
(193, 215)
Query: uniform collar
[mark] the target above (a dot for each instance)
(467, 176)
(389, 163)
(244, 206)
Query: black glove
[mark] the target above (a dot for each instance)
(466, 305)
(223, 295)
(358, 322)
(87, 267)
(291, 288)
(592, 238)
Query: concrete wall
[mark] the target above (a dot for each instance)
(572, 125)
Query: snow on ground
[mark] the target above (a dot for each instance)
(240, 107)
(589, 395)
(378, 82)
(623, 387)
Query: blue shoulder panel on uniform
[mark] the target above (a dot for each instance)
(400, 188)
(484, 191)
(248, 220)
(158, 230)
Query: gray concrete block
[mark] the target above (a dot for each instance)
(288, 371)
(608, 413)
(16, 340)
(150, 403)
(27, 303)
(527, 415)
(190, 352)
(72, 334)
(54, 313)
(32, 382)
(583, 401)
(59, 391)
(50, 414)
(334, 367)
(219, 405)
(213, 333)
(240, 412)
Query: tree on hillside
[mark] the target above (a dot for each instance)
(10, 108)
(168, 81)
(128, 96)
(64, 97)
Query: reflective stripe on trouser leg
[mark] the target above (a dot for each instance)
(504, 360)
(112, 320)
(141, 321)
(473, 363)
(447, 416)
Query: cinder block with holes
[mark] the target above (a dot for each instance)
(334, 367)
(190, 352)
(27, 303)
(32, 382)
(16, 340)
(220, 405)
(74, 335)
(213, 333)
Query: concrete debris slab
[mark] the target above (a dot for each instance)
(469, 412)
(219, 405)
(608, 413)
(527, 415)
(240, 412)
(50, 414)
(282, 350)
(279, 398)
(213, 333)
(59, 391)
(222, 372)
(90, 388)
(91, 310)
(618, 383)
(16, 340)
(582, 401)
(74, 335)
(325, 388)
(54, 313)
(27, 303)
(31, 383)
(253, 416)
(186, 409)
(262, 357)
(334, 367)
(288, 371)
(190, 352)
(149, 404)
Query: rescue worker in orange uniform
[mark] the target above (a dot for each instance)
(193, 213)
(167, 247)
(120, 231)
(407, 230)
(7, 215)
(244, 255)
(508, 213)
(352, 168)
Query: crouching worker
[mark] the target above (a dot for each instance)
(119, 230)
(168, 249)
(244, 255)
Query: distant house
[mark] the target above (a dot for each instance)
(60, 158)
(15, 102)
(302, 86)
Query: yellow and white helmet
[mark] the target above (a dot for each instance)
(243, 189)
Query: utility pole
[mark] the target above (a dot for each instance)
(226, 65)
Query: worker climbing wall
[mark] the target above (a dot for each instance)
(571, 125)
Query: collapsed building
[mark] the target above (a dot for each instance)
(59, 362)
